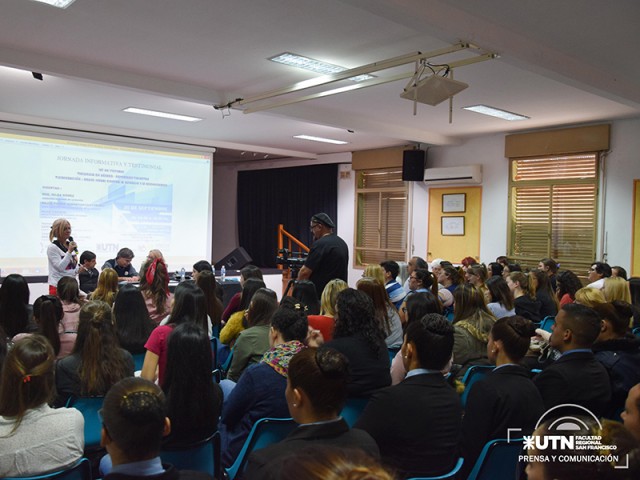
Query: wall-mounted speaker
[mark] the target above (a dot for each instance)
(413, 165)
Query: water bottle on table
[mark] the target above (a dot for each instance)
(223, 273)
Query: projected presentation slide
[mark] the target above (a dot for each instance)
(114, 196)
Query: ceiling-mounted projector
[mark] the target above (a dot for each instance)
(433, 90)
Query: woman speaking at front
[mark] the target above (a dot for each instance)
(61, 254)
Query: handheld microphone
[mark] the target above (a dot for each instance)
(70, 239)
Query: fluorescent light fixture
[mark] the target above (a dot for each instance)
(57, 3)
(320, 139)
(313, 65)
(496, 112)
(153, 113)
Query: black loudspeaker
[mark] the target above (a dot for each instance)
(234, 260)
(413, 165)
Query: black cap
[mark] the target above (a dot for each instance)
(324, 219)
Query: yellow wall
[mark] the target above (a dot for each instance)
(454, 248)
(635, 245)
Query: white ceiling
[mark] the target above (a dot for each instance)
(560, 63)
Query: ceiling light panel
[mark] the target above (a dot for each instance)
(320, 139)
(154, 113)
(57, 3)
(496, 112)
(313, 65)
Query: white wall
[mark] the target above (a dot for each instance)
(622, 166)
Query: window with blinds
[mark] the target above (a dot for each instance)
(553, 204)
(381, 216)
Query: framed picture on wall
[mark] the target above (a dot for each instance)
(452, 226)
(454, 202)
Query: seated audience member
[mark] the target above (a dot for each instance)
(472, 323)
(47, 314)
(394, 289)
(413, 264)
(199, 267)
(590, 296)
(188, 306)
(132, 320)
(619, 351)
(421, 280)
(253, 342)
(616, 288)
(376, 272)
(540, 284)
(502, 302)
(619, 272)
(305, 292)
(476, 275)
(502, 260)
(96, 361)
(107, 287)
(72, 302)
(206, 280)
(525, 302)
(466, 262)
(415, 307)
(250, 271)
(155, 253)
(385, 312)
(194, 400)
(122, 265)
(597, 273)
(568, 284)
(134, 423)
(421, 437)
(88, 277)
(15, 311)
(506, 397)
(510, 268)
(235, 323)
(325, 322)
(154, 285)
(316, 392)
(260, 390)
(331, 463)
(450, 278)
(34, 438)
(495, 269)
(576, 377)
(360, 337)
(550, 267)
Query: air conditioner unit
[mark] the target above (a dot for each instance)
(469, 174)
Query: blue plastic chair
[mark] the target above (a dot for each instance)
(471, 376)
(447, 476)
(498, 459)
(547, 323)
(265, 432)
(352, 409)
(203, 456)
(138, 361)
(636, 331)
(89, 407)
(81, 470)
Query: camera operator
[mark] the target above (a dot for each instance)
(328, 257)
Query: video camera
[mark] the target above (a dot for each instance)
(294, 263)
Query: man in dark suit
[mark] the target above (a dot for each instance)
(576, 377)
(416, 423)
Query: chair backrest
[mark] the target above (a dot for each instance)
(89, 407)
(547, 323)
(447, 476)
(203, 456)
(352, 409)
(265, 432)
(636, 331)
(81, 470)
(498, 459)
(471, 376)
(138, 361)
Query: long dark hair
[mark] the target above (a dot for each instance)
(251, 286)
(14, 298)
(133, 324)
(380, 299)
(420, 303)
(68, 290)
(48, 312)
(568, 283)
(155, 288)
(263, 305)
(356, 317)
(101, 361)
(305, 291)
(515, 333)
(194, 402)
(207, 282)
(189, 305)
(500, 292)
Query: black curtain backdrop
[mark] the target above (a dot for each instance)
(289, 196)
